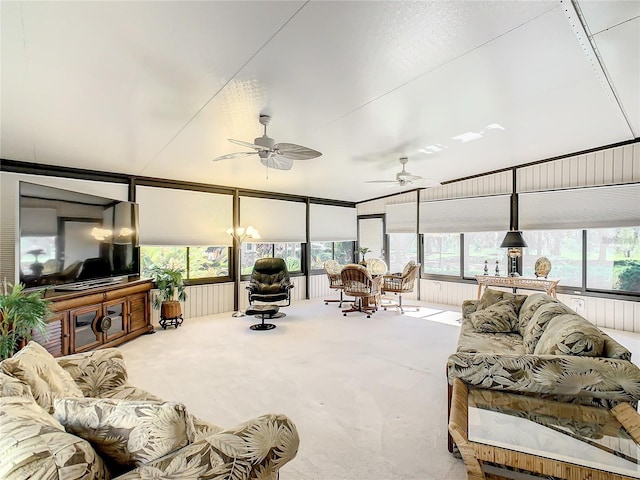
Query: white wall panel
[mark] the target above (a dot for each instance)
(605, 167)
(493, 184)
(372, 207)
(202, 300)
(603, 312)
(319, 287)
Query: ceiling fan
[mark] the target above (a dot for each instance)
(404, 178)
(272, 155)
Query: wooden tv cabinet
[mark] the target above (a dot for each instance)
(103, 316)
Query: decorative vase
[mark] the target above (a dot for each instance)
(542, 267)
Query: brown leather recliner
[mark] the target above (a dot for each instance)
(270, 282)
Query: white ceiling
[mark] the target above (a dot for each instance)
(155, 88)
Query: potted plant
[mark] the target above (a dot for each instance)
(171, 291)
(363, 251)
(21, 314)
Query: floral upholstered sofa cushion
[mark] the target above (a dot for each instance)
(552, 352)
(127, 433)
(34, 445)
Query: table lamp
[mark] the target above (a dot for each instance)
(515, 243)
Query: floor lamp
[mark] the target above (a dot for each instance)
(241, 234)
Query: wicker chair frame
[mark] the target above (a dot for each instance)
(333, 270)
(399, 284)
(357, 282)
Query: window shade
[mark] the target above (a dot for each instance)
(593, 207)
(476, 214)
(275, 220)
(402, 218)
(183, 217)
(328, 223)
(39, 222)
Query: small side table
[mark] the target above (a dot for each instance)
(263, 310)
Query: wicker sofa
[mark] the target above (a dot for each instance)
(77, 417)
(537, 345)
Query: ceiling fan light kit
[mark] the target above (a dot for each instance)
(279, 156)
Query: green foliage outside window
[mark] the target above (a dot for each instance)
(202, 262)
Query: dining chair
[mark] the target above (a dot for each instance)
(358, 282)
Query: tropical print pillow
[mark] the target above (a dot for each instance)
(491, 297)
(127, 433)
(47, 380)
(500, 317)
(570, 334)
(34, 445)
(539, 322)
(529, 307)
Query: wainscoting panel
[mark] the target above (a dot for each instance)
(202, 300)
(603, 312)
(319, 287)
(605, 167)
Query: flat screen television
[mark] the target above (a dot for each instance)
(72, 240)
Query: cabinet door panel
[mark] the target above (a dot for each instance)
(116, 311)
(56, 339)
(83, 327)
(138, 312)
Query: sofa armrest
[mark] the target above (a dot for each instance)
(97, 371)
(586, 380)
(253, 450)
(468, 307)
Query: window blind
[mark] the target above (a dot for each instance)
(329, 223)
(39, 222)
(577, 208)
(183, 217)
(474, 214)
(402, 218)
(275, 220)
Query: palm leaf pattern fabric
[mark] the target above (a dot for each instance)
(47, 380)
(35, 446)
(254, 450)
(128, 433)
(557, 354)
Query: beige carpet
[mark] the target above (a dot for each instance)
(368, 395)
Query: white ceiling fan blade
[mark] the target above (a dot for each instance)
(234, 155)
(295, 152)
(277, 163)
(381, 181)
(247, 144)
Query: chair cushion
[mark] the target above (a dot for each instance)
(127, 433)
(570, 334)
(47, 380)
(35, 445)
(500, 317)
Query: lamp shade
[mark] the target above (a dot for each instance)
(513, 239)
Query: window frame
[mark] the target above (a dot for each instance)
(321, 271)
(297, 273)
(201, 280)
(581, 290)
